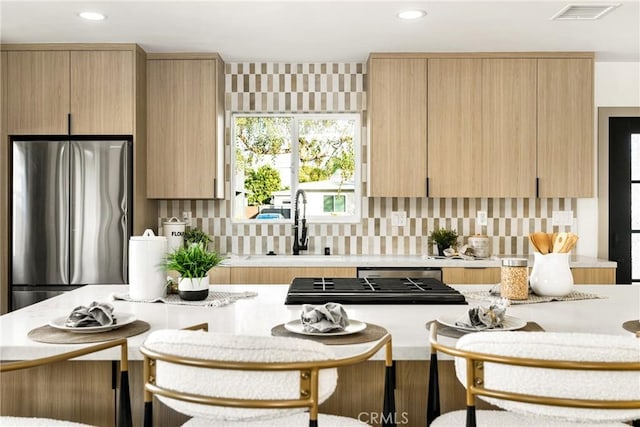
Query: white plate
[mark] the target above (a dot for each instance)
(121, 320)
(354, 326)
(509, 323)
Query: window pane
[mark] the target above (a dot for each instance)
(328, 204)
(635, 206)
(262, 167)
(635, 157)
(635, 256)
(327, 165)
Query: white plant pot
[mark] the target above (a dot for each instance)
(193, 289)
(551, 275)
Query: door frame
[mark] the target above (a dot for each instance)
(604, 113)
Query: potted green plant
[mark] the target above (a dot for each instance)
(192, 263)
(195, 235)
(443, 238)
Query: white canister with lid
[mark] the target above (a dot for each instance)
(481, 245)
(174, 232)
(147, 275)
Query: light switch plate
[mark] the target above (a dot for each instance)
(481, 218)
(561, 218)
(399, 219)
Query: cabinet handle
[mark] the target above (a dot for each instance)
(69, 124)
(427, 186)
(215, 188)
(537, 187)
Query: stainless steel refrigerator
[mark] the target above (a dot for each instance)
(71, 215)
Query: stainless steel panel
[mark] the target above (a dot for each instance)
(22, 296)
(40, 202)
(99, 219)
(413, 272)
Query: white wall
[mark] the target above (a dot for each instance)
(617, 84)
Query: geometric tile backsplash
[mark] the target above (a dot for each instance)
(333, 87)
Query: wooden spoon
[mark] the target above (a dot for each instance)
(542, 242)
(572, 238)
(560, 241)
(533, 242)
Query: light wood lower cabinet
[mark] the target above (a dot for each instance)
(284, 275)
(594, 276)
(491, 275)
(470, 276)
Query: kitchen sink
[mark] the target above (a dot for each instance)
(289, 258)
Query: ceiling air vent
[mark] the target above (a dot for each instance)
(582, 12)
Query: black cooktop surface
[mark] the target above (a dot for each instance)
(387, 290)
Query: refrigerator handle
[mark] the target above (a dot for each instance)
(64, 203)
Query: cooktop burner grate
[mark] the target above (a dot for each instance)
(372, 290)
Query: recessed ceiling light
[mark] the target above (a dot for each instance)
(411, 14)
(92, 16)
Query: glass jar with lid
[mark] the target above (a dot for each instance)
(514, 279)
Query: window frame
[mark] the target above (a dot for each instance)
(324, 219)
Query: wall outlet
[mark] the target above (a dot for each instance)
(561, 218)
(481, 218)
(398, 219)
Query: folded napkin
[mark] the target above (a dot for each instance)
(485, 317)
(97, 314)
(324, 318)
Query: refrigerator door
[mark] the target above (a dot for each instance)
(40, 201)
(99, 215)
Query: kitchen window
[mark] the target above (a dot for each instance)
(275, 155)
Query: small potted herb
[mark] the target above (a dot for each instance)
(193, 262)
(443, 238)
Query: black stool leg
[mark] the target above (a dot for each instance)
(124, 414)
(148, 414)
(389, 406)
(433, 396)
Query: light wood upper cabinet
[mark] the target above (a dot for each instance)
(508, 160)
(95, 87)
(397, 111)
(184, 127)
(102, 100)
(482, 128)
(497, 124)
(455, 126)
(38, 92)
(565, 127)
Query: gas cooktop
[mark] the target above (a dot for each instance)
(370, 290)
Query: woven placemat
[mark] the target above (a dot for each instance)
(532, 299)
(632, 326)
(371, 333)
(448, 331)
(52, 335)
(214, 299)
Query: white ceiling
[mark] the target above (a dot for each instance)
(325, 31)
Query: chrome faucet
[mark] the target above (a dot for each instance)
(300, 225)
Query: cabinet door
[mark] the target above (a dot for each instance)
(506, 166)
(455, 127)
(565, 127)
(398, 127)
(284, 275)
(102, 97)
(37, 93)
(181, 129)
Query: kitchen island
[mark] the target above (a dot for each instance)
(257, 315)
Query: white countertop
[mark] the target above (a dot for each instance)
(256, 316)
(307, 260)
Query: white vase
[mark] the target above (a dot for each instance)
(193, 289)
(551, 275)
